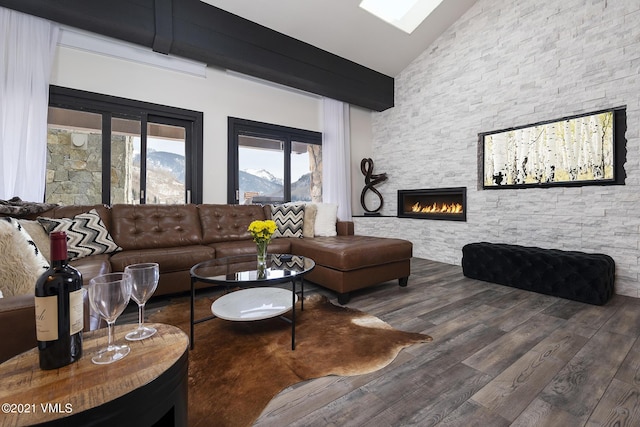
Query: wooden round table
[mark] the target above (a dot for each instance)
(146, 387)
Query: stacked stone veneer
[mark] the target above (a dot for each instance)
(509, 63)
(74, 172)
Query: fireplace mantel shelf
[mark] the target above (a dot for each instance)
(374, 216)
(382, 216)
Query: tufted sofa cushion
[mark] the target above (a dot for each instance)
(224, 223)
(573, 275)
(155, 226)
(170, 259)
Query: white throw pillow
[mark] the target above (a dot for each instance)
(21, 263)
(326, 218)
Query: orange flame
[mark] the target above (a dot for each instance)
(450, 208)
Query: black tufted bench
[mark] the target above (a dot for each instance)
(573, 275)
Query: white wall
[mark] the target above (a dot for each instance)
(509, 63)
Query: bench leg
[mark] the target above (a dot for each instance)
(403, 281)
(344, 298)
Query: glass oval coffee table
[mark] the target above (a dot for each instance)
(260, 300)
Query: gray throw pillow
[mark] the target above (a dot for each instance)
(289, 220)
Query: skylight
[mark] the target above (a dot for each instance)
(403, 14)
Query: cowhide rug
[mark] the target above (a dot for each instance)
(236, 368)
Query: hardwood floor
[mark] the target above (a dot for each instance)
(500, 356)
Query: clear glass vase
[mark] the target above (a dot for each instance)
(262, 260)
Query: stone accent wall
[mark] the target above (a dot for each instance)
(509, 63)
(74, 171)
(315, 163)
(125, 183)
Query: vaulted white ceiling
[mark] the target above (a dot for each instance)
(344, 29)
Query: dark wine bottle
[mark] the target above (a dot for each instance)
(59, 309)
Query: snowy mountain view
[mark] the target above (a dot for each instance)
(168, 172)
(170, 162)
(263, 183)
(264, 174)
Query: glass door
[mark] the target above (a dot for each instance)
(165, 164)
(149, 166)
(261, 163)
(113, 150)
(124, 183)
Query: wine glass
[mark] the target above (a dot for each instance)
(144, 280)
(109, 295)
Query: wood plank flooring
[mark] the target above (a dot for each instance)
(499, 357)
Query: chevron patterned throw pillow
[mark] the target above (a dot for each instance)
(86, 234)
(289, 220)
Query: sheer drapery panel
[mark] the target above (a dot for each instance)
(336, 155)
(27, 49)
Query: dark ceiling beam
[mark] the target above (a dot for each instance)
(130, 20)
(163, 37)
(195, 30)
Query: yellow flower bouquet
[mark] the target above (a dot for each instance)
(262, 232)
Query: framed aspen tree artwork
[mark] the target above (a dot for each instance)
(579, 150)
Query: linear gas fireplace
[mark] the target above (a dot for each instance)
(434, 203)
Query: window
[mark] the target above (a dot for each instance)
(273, 164)
(103, 149)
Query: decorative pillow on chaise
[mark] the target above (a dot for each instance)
(326, 219)
(308, 225)
(289, 220)
(86, 234)
(21, 263)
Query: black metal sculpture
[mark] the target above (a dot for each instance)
(366, 166)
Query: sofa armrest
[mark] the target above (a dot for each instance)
(18, 324)
(344, 228)
(92, 266)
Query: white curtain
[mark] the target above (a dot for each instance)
(27, 48)
(336, 157)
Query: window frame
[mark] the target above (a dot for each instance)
(110, 106)
(237, 127)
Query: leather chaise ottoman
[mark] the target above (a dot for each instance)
(348, 263)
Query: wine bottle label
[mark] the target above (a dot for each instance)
(76, 318)
(47, 318)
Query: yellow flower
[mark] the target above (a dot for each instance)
(262, 230)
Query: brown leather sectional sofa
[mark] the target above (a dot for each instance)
(180, 236)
